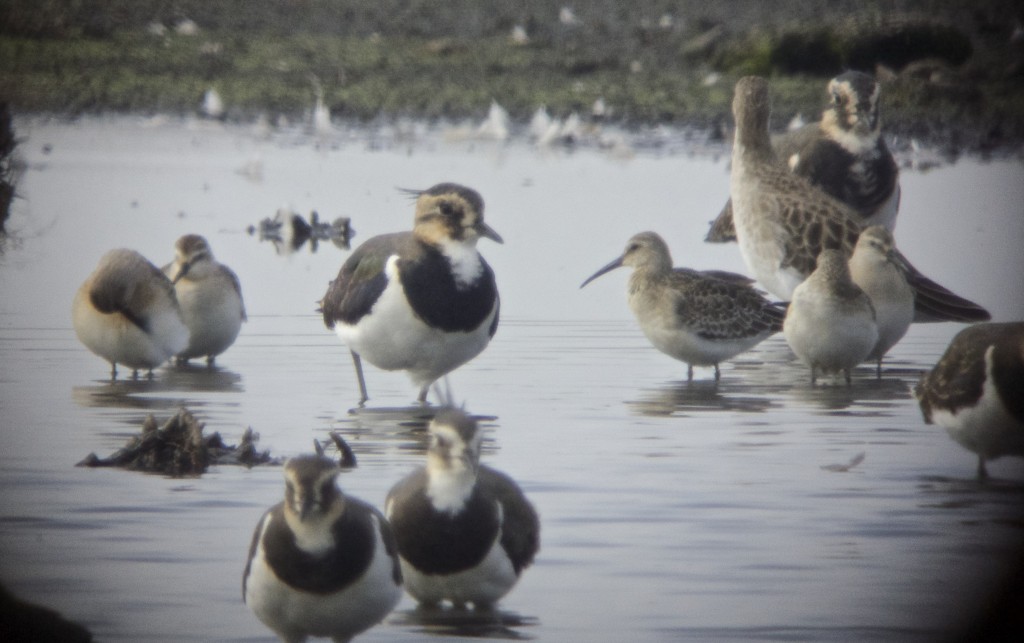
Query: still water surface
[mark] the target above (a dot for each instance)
(670, 510)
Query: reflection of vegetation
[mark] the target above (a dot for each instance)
(7, 145)
(450, 59)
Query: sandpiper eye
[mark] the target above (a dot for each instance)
(447, 209)
(836, 99)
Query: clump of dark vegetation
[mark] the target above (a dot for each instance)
(948, 68)
(179, 448)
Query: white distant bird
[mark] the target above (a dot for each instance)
(567, 17)
(213, 104)
(186, 27)
(496, 126)
(519, 36)
(830, 324)
(210, 297)
(126, 313)
(321, 116)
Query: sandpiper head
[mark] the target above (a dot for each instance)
(853, 104)
(875, 238)
(751, 106)
(451, 212)
(311, 489)
(190, 249)
(455, 441)
(877, 244)
(645, 251)
(832, 265)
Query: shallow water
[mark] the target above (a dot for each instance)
(670, 510)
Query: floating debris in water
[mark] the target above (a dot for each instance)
(179, 448)
(843, 468)
(289, 231)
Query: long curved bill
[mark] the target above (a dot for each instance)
(617, 263)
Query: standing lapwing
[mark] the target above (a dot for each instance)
(321, 563)
(465, 531)
(423, 301)
(976, 391)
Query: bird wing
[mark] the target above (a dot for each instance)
(128, 284)
(936, 303)
(236, 284)
(361, 280)
(717, 308)
(811, 222)
(520, 533)
(723, 228)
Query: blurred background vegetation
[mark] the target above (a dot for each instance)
(951, 71)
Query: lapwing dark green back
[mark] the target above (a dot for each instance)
(361, 279)
(956, 381)
(520, 535)
(720, 308)
(440, 542)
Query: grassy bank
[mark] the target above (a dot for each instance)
(949, 75)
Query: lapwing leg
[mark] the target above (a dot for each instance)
(814, 376)
(982, 471)
(718, 373)
(149, 374)
(358, 362)
(849, 378)
(135, 373)
(878, 369)
(209, 362)
(422, 397)
(113, 370)
(689, 372)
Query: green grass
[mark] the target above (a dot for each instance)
(449, 60)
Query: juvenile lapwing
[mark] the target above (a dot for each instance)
(783, 222)
(881, 271)
(321, 563)
(844, 154)
(423, 301)
(126, 313)
(210, 297)
(701, 318)
(465, 531)
(976, 391)
(830, 324)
